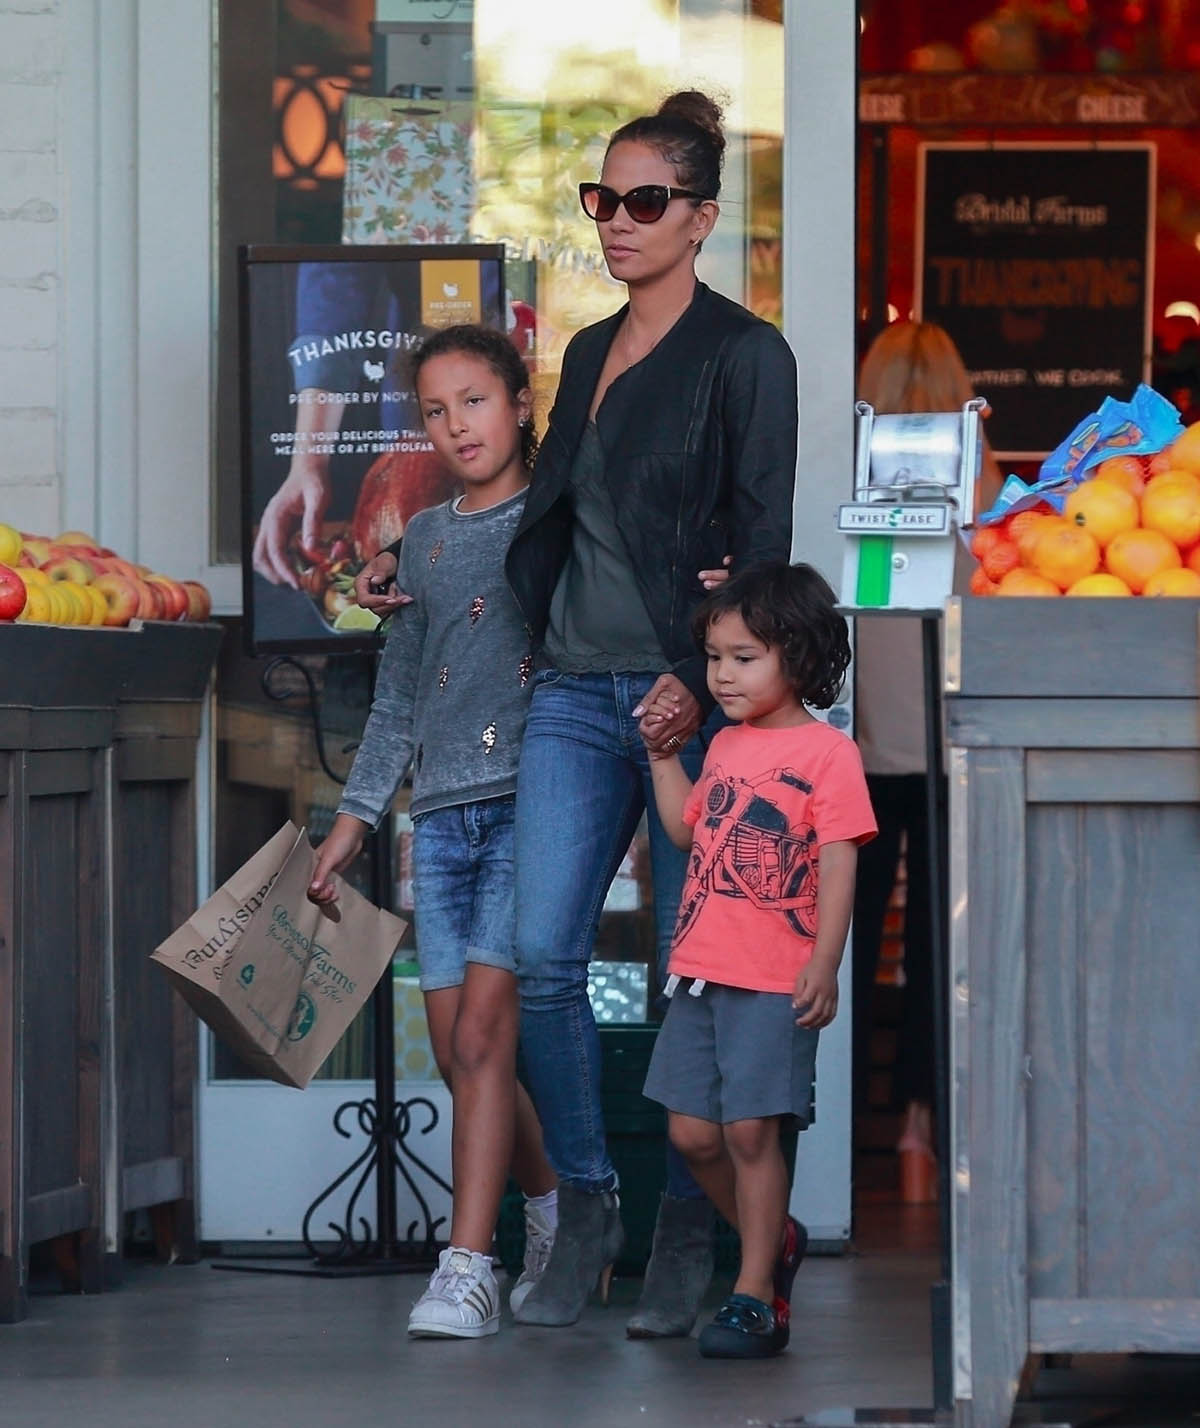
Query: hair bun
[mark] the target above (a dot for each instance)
(698, 109)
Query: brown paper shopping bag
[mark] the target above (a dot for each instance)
(277, 978)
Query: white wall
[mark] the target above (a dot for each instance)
(105, 277)
(31, 59)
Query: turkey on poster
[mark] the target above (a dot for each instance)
(334, 458)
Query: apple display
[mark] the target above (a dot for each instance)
(74, 580)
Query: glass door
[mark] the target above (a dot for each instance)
(496, 112)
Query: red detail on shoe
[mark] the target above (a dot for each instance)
(783, 1312)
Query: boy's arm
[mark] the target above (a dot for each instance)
(816, 993)
(671, 789)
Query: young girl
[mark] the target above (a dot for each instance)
(453, 692)
(773, 824)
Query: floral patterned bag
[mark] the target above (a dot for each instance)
(409, 171)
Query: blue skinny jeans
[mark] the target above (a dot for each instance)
(583, 784)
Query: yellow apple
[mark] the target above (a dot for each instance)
(10, 544)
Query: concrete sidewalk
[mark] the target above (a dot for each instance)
(191, 1347)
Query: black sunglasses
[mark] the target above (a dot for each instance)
(645, 204)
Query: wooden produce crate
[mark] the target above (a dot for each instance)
(98, 731)
(1074, 887)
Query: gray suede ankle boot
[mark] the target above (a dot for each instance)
(588, 1240)
(680, 1268)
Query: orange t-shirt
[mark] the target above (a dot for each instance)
(765, 802)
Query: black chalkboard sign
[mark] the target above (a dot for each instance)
(1037, 260)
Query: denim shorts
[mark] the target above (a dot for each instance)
(733, 1055)
(462, 862)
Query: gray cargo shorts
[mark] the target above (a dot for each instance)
(733, 1055)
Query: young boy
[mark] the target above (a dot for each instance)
(773, 824)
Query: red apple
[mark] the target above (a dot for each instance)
(199, 600)
(12, 593)
(120, 594)
(37, 548)
(175, 597)
(150, 602)
(122, 567)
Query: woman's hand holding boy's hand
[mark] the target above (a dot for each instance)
(816, 994)
(338, 851)
(669, 715)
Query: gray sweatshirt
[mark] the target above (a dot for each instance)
(454, 680)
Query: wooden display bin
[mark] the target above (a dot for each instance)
(1074, 731)
(98, 733)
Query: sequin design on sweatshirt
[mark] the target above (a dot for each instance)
(525, 669)
(436, 551)
(443, 676)
(476, 610)
(488, 738)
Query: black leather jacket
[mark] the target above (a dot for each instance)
(700, 447)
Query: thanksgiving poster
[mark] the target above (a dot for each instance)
(334, 458)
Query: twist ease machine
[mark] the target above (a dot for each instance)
(915, 481)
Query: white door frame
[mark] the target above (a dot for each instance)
(821, 48)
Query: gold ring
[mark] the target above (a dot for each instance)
(674, 741)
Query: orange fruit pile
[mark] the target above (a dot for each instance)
(1131, 528)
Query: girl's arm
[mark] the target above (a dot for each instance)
(374, 586)
(386, 750)
(671, 789)
(336, 853)
(816, 992)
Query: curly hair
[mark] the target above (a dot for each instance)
(792, 609)
(492, 347)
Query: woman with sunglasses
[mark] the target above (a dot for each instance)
(670, 451)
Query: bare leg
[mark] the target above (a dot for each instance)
(441, 1011)
(483, 1061)
(473, 1032)
(702, 1145)
(760, 1179)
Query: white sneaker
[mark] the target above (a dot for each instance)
(539, 1241)
(462, 1301)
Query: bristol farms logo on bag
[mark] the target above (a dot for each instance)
(277, 978)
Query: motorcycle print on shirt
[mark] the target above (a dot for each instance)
(752, 852)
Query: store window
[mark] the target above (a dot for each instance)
(1044, 73)
(415, 121)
